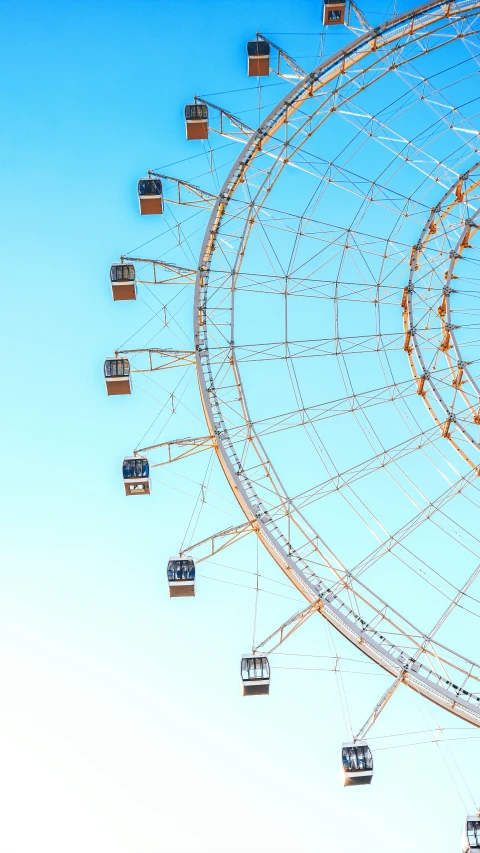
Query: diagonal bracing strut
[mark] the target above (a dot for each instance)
(295, 622)
(227, 537)
(299, 72)
(187, 447)
(392, 688)
(197, 192)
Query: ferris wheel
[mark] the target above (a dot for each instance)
(336, 318)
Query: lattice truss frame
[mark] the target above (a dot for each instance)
(418, 280)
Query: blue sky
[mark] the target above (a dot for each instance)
(122, 728)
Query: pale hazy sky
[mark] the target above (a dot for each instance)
(122, 727)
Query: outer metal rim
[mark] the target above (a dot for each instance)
(392, 658)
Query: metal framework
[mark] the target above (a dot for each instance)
(428, 196)
(297, 548)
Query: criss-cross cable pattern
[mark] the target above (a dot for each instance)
(390, 168)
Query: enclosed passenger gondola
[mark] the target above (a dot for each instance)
(117, 376)
(333, 12)
(255, 675)
(196, 121)
(150, 196)
(136, 475)
(357, 763)
(471, 834)
(258, 58)
(181, 577)
(122, 277)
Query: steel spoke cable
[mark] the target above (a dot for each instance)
(333, 671)
(339, 680)
(231, 504)
(192, 157)
(168, 401)
(290, 365)
(158, 479)
(245, 586)
(395, 539)
(446, 765)
(247, 572)
(162, 234)
(437, 743)
(198, 505)
(256, 598)
(321, 657)
(143, 326)
(366, 262)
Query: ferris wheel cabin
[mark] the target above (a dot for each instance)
(471, 834)
(357, 763)
(255, 675)
(117, 376)
(136, 475)
(258, 58)
(122, 277)
(150, 196)
(181, 577)
(196, 121)
(333, 12)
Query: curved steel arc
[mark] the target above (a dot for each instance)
(446, 339)
(294, 561)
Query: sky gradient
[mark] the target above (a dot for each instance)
(122, 727)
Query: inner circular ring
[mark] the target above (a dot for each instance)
(276, 530)
(429, 333)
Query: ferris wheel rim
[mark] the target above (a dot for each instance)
(327, 602)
